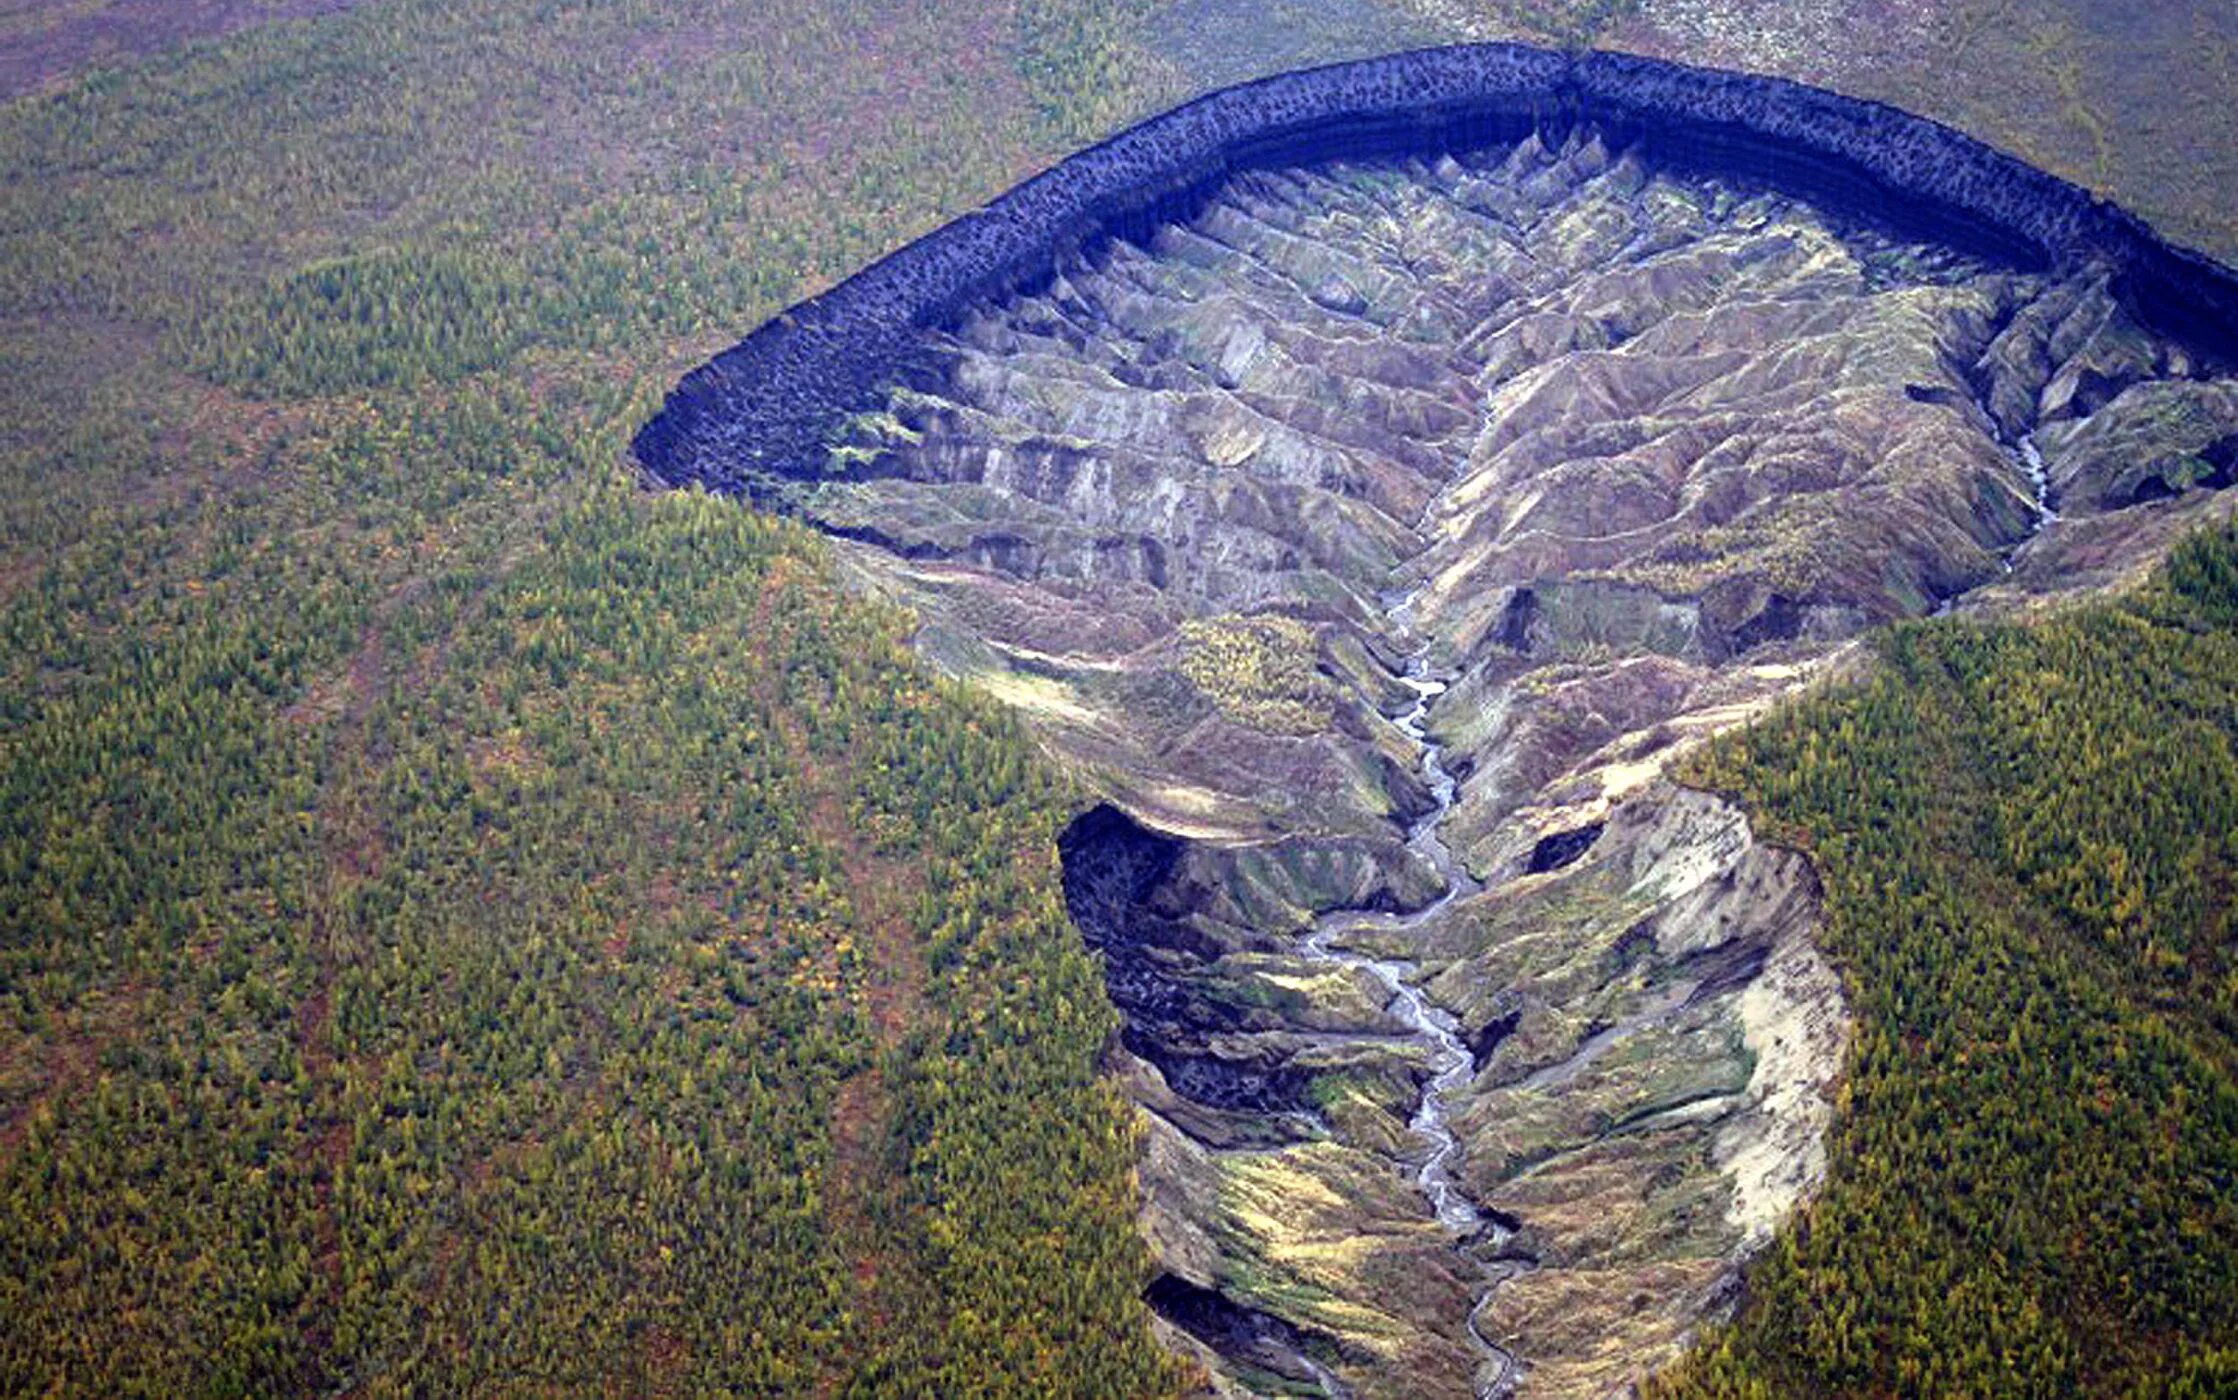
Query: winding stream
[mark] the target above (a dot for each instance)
(1476, 1232)
(1447, 1056)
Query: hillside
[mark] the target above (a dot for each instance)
(2026, 837)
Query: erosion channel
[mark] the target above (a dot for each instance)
(1369, 535)
(1445, 1055)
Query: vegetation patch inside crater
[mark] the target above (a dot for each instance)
(1259, 670)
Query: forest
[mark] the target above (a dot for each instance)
(2028, 835)
(469, 924)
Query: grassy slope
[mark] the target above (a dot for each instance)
(466, 924)
(2027, 837)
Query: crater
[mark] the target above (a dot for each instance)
(1365, 481)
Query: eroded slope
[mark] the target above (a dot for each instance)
(1615, 456)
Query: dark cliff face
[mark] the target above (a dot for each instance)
(1120, 889)
(764, 410)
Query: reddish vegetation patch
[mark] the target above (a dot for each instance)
(864, 1189)
(320, 1157)
(66, 1061)
(829, 110)
(881, 888)
(67, 368)
(858, 1122)
(45, 42)
(355, 850)
(666, 1355)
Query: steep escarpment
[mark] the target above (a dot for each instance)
(761, 411)
(1370, 535)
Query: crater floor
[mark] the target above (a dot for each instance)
(1619, 454)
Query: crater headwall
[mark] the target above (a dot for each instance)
(761, 412)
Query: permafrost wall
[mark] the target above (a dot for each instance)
(762, 411)
(1543, 1145)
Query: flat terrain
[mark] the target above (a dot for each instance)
(44, 43)
(466, 922)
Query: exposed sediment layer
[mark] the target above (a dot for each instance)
(762, 410)
(1472, 1055)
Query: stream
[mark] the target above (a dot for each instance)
(2031, 463)
(2030, 460)
(1448, 1057)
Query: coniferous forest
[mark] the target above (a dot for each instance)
(2028, 836)
(470, 925)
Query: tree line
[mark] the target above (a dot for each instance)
(2028, 836)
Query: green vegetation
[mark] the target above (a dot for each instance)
(1259, 670)
(467, 924)
(2028, 836)
(1083, 64)
(373, 321)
